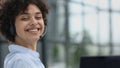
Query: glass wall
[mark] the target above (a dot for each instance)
(82, 28)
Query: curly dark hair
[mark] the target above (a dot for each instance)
(10, 9)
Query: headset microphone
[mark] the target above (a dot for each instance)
(45, 31)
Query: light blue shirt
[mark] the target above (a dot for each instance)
(21, 57)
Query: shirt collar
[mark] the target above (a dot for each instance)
(18, 48)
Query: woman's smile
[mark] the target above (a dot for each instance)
(33, 31)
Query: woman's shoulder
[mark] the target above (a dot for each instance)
(15, 56)
(16, 59)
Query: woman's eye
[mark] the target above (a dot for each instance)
(25, 19)
(38, 18)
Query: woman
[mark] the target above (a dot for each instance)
(23, 23)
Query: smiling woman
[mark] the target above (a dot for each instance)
(29, 27)
(23, 23)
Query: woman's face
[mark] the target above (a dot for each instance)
(29, 26)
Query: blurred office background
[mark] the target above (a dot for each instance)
(77, 28)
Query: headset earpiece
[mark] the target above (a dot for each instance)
(12, 30)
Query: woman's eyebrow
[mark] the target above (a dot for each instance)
(38, 13)
(26, 13)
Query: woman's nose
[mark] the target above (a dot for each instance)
(33, 21)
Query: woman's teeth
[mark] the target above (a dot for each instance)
(33, 30)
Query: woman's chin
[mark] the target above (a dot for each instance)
(36, 39)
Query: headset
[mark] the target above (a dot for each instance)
(12, 29)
